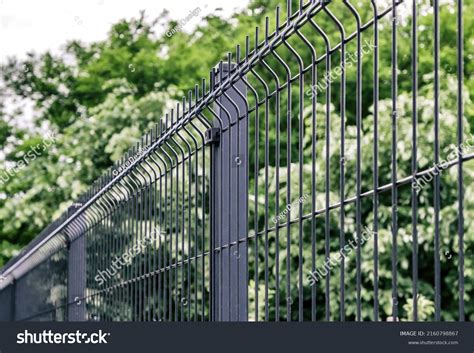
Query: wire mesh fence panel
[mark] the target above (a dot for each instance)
(316, 176)
(348, 184)
(148, 242)
(41, 294)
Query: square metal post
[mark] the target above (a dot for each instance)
(230, 186)
(76, 279)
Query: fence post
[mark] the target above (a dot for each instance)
(230, 176)
(76, 274)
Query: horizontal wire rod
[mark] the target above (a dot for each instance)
(383, 188)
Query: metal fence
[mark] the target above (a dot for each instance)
(242, 202)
